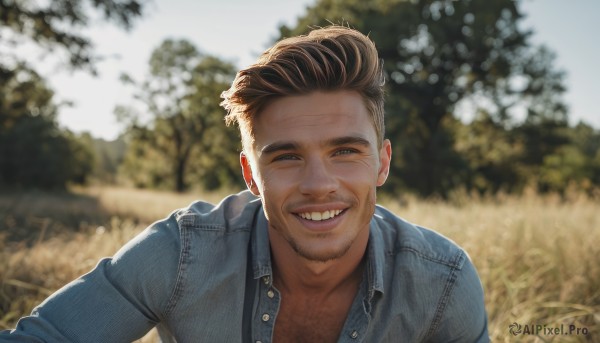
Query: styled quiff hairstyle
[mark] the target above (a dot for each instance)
(327, 59)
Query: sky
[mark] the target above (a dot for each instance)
(238, 30)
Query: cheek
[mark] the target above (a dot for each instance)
(362, 171)
(362, 178)
(274, 188)
(275, 182)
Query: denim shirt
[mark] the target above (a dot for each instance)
(204, 274)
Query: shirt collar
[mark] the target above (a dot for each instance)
(375, 258)
(261, 248)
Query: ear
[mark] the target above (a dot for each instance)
(247, 174)
(385, 158)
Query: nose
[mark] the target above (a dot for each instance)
(318, 179)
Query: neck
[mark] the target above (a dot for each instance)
(295, 274)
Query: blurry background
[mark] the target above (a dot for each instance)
(109, 119)
(482, 96)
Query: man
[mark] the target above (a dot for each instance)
(305, 255)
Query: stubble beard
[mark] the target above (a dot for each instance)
(315, 256)
(322, 257)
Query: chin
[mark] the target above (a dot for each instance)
(323, 255)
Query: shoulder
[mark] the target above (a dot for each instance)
(234, 212)
(435, 268)
(402, 237)
(157, 255)
(167, 242)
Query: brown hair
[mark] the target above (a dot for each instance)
(327, 59)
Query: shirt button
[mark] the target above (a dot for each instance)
(270, 294)
(266, 280)
(354, 334)
(266, 317)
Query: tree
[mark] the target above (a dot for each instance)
(437, 55)
(33, 151)
(109, 156)
(490, 151)
(185, 135)
(58, 23)
(574, 163)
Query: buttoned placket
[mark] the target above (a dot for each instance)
(357, 322)
(266, 312)
(354, 330)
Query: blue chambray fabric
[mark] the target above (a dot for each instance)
(204, 274)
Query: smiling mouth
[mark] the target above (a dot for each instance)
(320, 216)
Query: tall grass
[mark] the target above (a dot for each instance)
(538, 257)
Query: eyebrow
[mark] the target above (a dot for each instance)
(349, 140)
(278, 146)
(338, 141)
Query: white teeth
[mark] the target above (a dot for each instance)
(317, 216)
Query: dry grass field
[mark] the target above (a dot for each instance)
(538, 257)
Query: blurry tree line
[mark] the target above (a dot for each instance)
(34, 150)
(442, 59)
(184, 141)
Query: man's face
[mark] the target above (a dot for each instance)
(316, 165)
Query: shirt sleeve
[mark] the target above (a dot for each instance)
(120, 300)
(464, 318)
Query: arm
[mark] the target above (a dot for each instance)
(120, 300)
(464, 318)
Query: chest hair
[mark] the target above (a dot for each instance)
(311, 320)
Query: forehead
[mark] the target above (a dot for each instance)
(314, 117)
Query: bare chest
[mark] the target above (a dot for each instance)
(300, 321)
